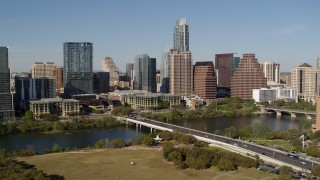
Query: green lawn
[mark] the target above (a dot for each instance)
(279, 143)
(115, 164)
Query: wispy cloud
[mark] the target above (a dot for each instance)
(289, 30)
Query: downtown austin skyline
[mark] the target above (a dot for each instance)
(285, 31)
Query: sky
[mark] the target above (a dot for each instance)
(285, 31)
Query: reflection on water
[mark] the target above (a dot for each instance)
(210, 125)
(79, 139)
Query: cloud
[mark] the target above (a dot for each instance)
(289, 30)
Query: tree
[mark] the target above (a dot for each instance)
(316, 170)
(165, 135)
(225, 164)
(56, 147)
(100, 144)
(286, 172)
(176, 115)
(58, 126)
(231, 132)
(28, 116)
(164, 105)
(199, 158)
(118, 143)
(175, 157)
(313, 150)
(148, 141)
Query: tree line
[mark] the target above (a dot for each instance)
(29, 124)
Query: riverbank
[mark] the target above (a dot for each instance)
(116, 164)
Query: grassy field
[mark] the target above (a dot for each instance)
(279, 143)
(115, 164)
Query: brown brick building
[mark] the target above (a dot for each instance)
(205, 81)
(180, 72)
(58, 74)
(248, 76)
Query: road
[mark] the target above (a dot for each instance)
(258, 149)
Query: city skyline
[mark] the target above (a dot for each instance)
(285, 31)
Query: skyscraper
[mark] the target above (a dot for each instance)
(225, 66)
(40, 69)
(164, 72)
(108, 65)
(28, 88)
(181, 35)
(77, 74)
(145, 73)
(205, 81)
(304, 78)
(101, 82)
(130, 70)
(130, 73)
(180, 72)
(248, 76)
(6, 105)
(271, 71)
(318, 63)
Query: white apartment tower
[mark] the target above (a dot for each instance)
(271, 71)
(304, 78)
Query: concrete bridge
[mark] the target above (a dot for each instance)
(292, 112)
(236, 145)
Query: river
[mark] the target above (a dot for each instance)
(81, 139)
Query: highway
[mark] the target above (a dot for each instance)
(304, 164)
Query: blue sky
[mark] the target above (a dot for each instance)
(285, 31)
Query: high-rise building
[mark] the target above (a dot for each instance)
(304, 78)
(130, 70)
(108, 65)
(28, 88)
(77, 73)
(248, 76)
(318, 63)
(158, 80)
(285, 78)
(225, 66)
(101, 82)
(58, 74)
(6, 105)
(271, 71)
(145, 73)
(180, 69)
(316, 125)
(130, 73)
(205, 81)
(181, 35)
(164, 72)
(40, 69)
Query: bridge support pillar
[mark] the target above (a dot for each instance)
(151, 130)
(278, 113)
(293, 115)
(308, 116)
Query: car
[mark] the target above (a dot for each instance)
(303, 162)
(235, 144)
(244, 145)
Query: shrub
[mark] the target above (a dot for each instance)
(118, 143)
(225, 164)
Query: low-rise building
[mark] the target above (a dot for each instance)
(275, 93)
(192, 101)
(59, 106)
(143, 99)
(264, 94)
